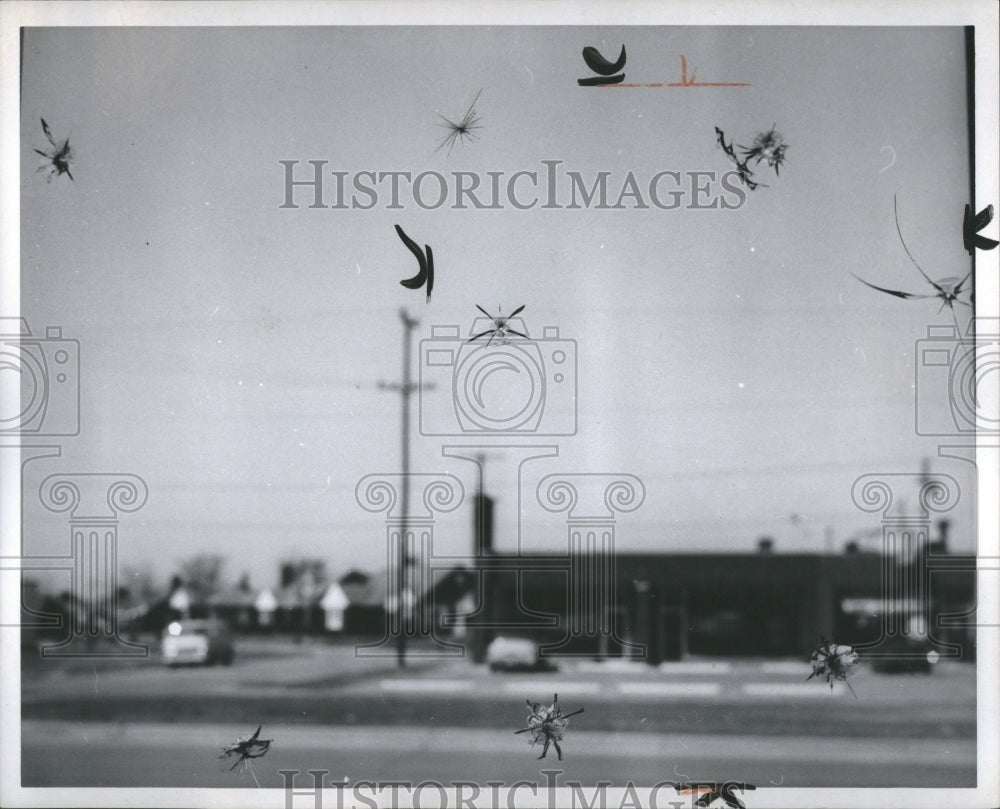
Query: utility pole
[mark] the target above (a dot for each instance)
(405, 389)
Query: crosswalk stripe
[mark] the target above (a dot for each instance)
(413, 685)
(695, 667)
(612, 664)
(661, 689)
(792, 690)
(784, 667)
(551, 686)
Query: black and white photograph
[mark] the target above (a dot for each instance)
(499, 405)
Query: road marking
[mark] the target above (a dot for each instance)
(612, 664)
(784, 667)
(551, 686)
(695, 667)
(792, 690)
(413, 686)
(661, 689)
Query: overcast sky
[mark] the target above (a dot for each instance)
(231, 349)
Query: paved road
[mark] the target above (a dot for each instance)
(145, 725)
(183, 754)
(325, 687)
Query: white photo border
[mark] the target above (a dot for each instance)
(983, 15)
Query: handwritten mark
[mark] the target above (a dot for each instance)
(596, 62)
(600, 65)
(690, 82)
(463, 129)
(501, 329)
(778, 783)
(891, 162)
(769, 146)
(947, 289)
(834, 661)
(547, 725)
(971, 226)
(709, 792)
(246, 749)
(59, 158)
(683, 775)
(426, 273)
(741, 165)
(266, 317)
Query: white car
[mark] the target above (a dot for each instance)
(515, 654)
(206, 641)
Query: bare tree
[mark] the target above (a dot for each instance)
(202, 574)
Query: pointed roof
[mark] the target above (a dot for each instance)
(334, 598)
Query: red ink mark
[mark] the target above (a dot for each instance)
(617, 81)
(686, 82)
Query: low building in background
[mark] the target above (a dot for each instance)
(659, 606)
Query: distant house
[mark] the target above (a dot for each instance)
(237, 606)
(180, 601)
(449, 599)
(265, 604)
(365, 611)
(369, 600)
(298, 611)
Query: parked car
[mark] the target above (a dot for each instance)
(516, 654)
(905, 653)
(195, 642)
